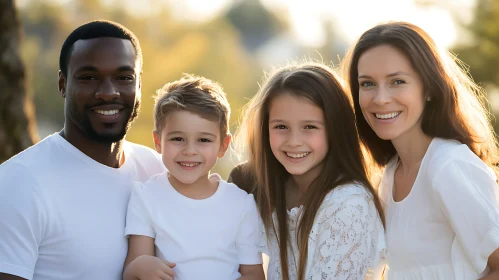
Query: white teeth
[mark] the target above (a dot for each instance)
(387, 116)
(188, 164)
(300, 155)
(107, 112)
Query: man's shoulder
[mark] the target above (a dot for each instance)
(147, 161)
(34, 157)
(141, 151)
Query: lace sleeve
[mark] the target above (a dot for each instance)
(345, 239)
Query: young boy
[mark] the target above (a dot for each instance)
(187, 223)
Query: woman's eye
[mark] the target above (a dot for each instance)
(399, 82)
(366, 84)
(280, 126)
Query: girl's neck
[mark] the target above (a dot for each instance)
(412, 148)
(297, 185)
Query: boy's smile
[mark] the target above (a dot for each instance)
(190, 146)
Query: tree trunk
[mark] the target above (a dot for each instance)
(17, 121)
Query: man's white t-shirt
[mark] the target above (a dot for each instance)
(207, 238)
(62, 214)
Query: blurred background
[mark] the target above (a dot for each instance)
(230, 41)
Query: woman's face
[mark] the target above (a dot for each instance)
(390, 93)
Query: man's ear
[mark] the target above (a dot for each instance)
(224, 145)
(62, 84)
(157, 140)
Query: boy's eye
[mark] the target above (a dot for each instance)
(281, 126)
(366, 84)
(176, 139)
(205, 140)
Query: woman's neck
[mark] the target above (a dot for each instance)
(412, 148)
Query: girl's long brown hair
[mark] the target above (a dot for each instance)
(343, 163)
(456, 110)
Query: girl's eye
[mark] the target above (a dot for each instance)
(310, 127)
(366, 84)
(399, 82)
(176, 139)
(280, 126)
(205, 140)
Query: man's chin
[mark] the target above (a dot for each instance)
(111, 138)
(107, 136)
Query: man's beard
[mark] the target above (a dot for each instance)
(87, 128)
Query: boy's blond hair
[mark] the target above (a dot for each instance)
(195, 94)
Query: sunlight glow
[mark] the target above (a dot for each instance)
(351, 18)
(198, 10)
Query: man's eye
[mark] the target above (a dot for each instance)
(87, 78)
(125, 78)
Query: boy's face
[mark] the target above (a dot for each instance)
(190, 146)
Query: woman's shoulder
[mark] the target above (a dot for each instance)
(444, 151)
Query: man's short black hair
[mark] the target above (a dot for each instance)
(92, 30)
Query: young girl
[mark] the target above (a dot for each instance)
(419, 115)
(320, 213)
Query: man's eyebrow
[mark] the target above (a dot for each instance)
(95, 69)
(87, 68)
(125, 68)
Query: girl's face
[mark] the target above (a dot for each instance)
(390, 93)
(298, 137)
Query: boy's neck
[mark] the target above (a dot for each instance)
(203, 188)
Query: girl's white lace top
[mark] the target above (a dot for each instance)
(346, 242)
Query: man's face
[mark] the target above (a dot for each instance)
(102, 88)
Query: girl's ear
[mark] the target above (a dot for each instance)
(224, 145)
(157, 140)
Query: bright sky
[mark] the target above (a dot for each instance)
(349, 17)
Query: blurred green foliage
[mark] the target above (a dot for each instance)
(226, 49)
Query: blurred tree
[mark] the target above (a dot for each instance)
(481, 53)
(255, 24)
(17, 123)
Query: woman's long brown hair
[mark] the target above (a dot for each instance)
(457, 107)
(343, 164)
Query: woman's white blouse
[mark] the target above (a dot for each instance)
(346, 242)
(448, 225)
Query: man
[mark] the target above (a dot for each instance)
(63, 201)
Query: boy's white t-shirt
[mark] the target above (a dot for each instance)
(62, 214)
(208, 238)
